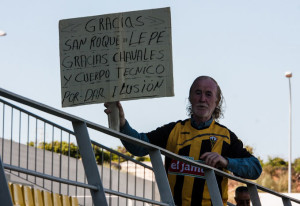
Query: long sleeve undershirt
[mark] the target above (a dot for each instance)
(249, 167)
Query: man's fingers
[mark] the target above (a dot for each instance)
(107, 111)
(214, 159)
(106, 104)
(121, 112)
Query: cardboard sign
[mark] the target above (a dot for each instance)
(116, 57)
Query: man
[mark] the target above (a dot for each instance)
(199, 138)
(242, 196)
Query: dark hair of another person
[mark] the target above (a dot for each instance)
(240, 189)
(218, 112)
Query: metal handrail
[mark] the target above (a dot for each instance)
(88, 186)
(150, 147)
(36, 116)
(71, 132)
(121, 155)
(48, 177)
(67, 181)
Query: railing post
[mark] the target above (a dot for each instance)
(161, 177)
(213, 188)
(254, 195)
(89, 162)
(286, 201)
(5, 197)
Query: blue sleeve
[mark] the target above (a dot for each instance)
(132, 148)
(248, 167)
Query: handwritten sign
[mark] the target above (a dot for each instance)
(116, 57)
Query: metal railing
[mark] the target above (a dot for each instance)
(24, 138)
(81, 133)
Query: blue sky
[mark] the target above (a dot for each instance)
(247, 46)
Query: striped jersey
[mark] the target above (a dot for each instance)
(187, 183)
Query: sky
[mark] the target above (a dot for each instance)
(246, 46)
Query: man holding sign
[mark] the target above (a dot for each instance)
(200, 138)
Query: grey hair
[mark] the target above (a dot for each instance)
(218, 112)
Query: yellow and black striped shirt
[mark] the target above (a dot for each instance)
(183, 139)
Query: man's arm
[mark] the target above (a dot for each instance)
(248, 167)
(132, 148)
(126, 129)
(240, 161)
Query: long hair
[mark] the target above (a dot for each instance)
(218, 112)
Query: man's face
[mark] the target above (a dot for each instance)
(203, 98)
(243, 199)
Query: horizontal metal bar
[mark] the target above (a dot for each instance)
(221, 173)
(134, 197)
(37, 105)
(49, 177)
(70, 182)
(64, 115)
(121, 155)
(73, 118)
(36, 116)
(72, 132)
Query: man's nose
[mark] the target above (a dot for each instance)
(202, 98)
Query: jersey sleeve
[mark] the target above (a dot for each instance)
(160, 135)
(248, 167)
(130, 147)
(236, 148)
(240, 161)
